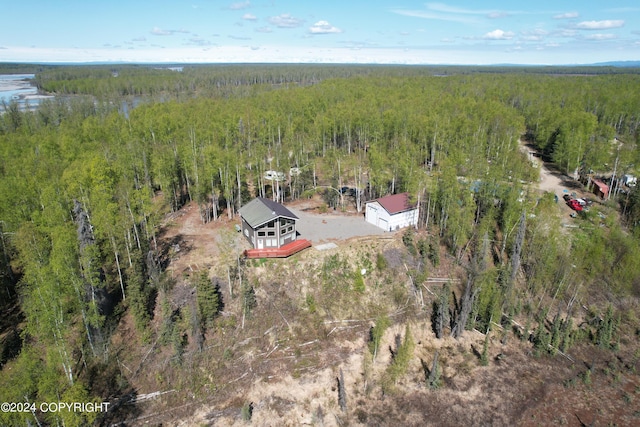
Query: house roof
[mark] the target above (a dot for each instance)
(260, 211)
(600, 184)
(396, 203)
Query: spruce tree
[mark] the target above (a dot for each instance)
(208, 299)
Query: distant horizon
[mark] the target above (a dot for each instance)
(618, 64)
(459, 32)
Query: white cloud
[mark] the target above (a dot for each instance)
(160, 32)
(323, 27)
(600, 36)
(289, 54)
(498, 35)
(568, 15)
(239, 5)
(285, 21)
(436, 16)
(600, 25)
(264, 30)
(249, 17)
(441, 7)
(444, 12)
(497, 15)
(199, 41)
(534, 35)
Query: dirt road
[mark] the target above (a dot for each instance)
(552, 180)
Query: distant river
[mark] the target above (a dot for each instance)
(18, 88)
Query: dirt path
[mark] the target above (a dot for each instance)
(552, 180)
(192, 244)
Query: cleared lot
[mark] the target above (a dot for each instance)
(321, 228)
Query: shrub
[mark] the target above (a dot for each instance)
(358, 282)
(408, 240)
(247, 411)
(376, 333)
(381, 262)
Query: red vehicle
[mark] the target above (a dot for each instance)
(575, 205)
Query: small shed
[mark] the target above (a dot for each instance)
(392, 212)
(600, 189)
(629, 180)
(267, 224)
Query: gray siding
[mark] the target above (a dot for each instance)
(273, 234)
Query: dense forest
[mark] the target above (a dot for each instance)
(87, 179)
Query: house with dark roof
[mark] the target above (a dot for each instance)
(267, 224)
(392, 212)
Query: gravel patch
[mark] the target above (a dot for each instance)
(322, 228)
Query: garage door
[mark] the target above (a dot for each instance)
(372, 215)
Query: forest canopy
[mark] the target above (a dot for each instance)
(86, 178)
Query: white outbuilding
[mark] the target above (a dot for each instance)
(392, 212)
(629, 180)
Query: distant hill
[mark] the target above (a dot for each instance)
(625, 64)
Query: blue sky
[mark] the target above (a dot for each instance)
(372, 31)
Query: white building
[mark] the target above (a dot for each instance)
(392, 212)
(629, 180)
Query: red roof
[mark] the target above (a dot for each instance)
(396, 203)
(601, 185)
(602, 188)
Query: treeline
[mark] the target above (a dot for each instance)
(84, 187)
(118, 80)
(23, 68)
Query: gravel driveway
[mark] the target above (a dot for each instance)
(321, 228)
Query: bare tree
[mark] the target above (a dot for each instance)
(515, 256)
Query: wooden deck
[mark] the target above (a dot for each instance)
(282, 252)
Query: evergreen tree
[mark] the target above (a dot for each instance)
(208, 299)
(440, 312)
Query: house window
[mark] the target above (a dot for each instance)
(246, 232)
(271, 233)
(282, 221)
(261, 233)
(289, 229)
